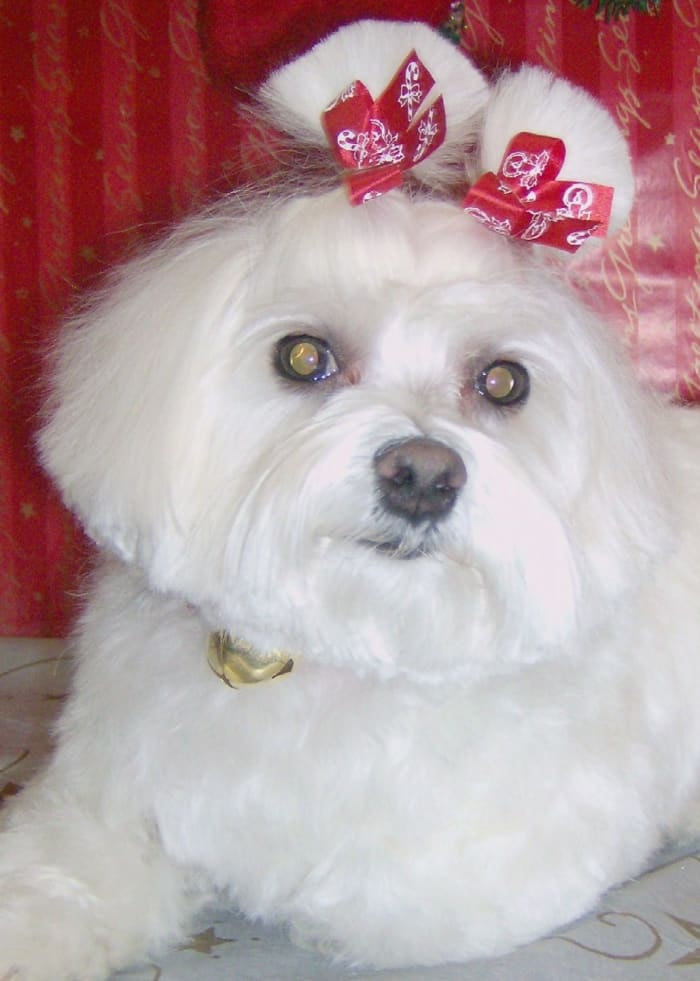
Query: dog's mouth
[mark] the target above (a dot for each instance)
(398, 549)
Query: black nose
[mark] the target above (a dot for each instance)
(419, 479)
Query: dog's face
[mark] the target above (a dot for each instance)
(375, 436)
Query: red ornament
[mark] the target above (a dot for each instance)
(246, 40)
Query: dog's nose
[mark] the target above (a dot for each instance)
(419, 479)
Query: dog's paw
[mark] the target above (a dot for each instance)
(50, 929)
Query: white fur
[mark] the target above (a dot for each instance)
(371, 51)
(474, 743)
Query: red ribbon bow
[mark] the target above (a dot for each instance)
(376, 140)
(525, 201)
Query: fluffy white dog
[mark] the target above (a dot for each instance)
(380, 460)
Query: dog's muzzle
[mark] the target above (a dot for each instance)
(419, 479)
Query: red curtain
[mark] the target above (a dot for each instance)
(113, 122)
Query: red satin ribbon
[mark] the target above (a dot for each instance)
(525, 201)
(376, 140)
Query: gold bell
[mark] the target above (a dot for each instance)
(239, 663)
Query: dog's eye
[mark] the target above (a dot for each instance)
(503, 383)
(305, 358)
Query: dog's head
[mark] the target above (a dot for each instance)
(374, 435)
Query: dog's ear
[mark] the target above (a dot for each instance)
(532, 100)
(122, 429)
(371, 51)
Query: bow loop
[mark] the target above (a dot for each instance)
(376, 141)
(524, 199)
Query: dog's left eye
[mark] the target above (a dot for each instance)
(504, 383)
(304, 358)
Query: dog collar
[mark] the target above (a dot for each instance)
(238, 663)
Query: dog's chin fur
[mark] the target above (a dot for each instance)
(492, 716)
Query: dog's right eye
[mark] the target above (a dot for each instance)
(304, 358)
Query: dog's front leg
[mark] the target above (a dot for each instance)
(80, 894)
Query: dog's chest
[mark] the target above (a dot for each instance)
(308, 777)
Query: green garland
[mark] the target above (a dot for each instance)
(610, 9)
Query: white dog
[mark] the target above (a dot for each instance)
(380, 460)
